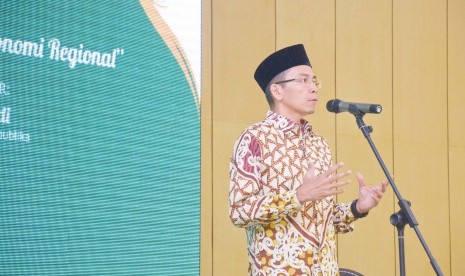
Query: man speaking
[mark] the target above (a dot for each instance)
(282, 180)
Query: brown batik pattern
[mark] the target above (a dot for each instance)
(269, 162)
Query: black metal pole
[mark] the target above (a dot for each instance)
(399, 221)
(403, 204)
(400, 237)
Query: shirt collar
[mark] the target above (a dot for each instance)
(287, 125)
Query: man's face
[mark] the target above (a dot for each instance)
(299, 92)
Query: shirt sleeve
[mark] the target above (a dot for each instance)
(343, 218)
(248, 205)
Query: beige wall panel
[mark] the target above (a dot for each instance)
(396, 54)
(206, 205)
(312, 23)
(364, 74)
(420, 126)
(243, 34)
(456, 47)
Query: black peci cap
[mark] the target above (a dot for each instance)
(280, 61)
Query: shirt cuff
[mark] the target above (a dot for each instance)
(353, 208)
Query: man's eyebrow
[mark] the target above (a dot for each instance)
(306, 75)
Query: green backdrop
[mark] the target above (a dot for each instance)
(100, 164)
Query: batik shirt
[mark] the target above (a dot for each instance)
(284, 237)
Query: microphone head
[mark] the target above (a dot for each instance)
(333, 105)
(376, 108)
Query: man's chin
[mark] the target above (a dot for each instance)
(310, 112)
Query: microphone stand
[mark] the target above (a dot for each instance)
(405, 215)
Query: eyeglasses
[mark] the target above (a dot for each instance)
(304, 81)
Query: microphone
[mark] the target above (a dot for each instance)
(337, 106)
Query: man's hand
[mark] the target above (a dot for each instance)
(323, 185)
(369, 196)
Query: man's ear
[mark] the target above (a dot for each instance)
(276, 92)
